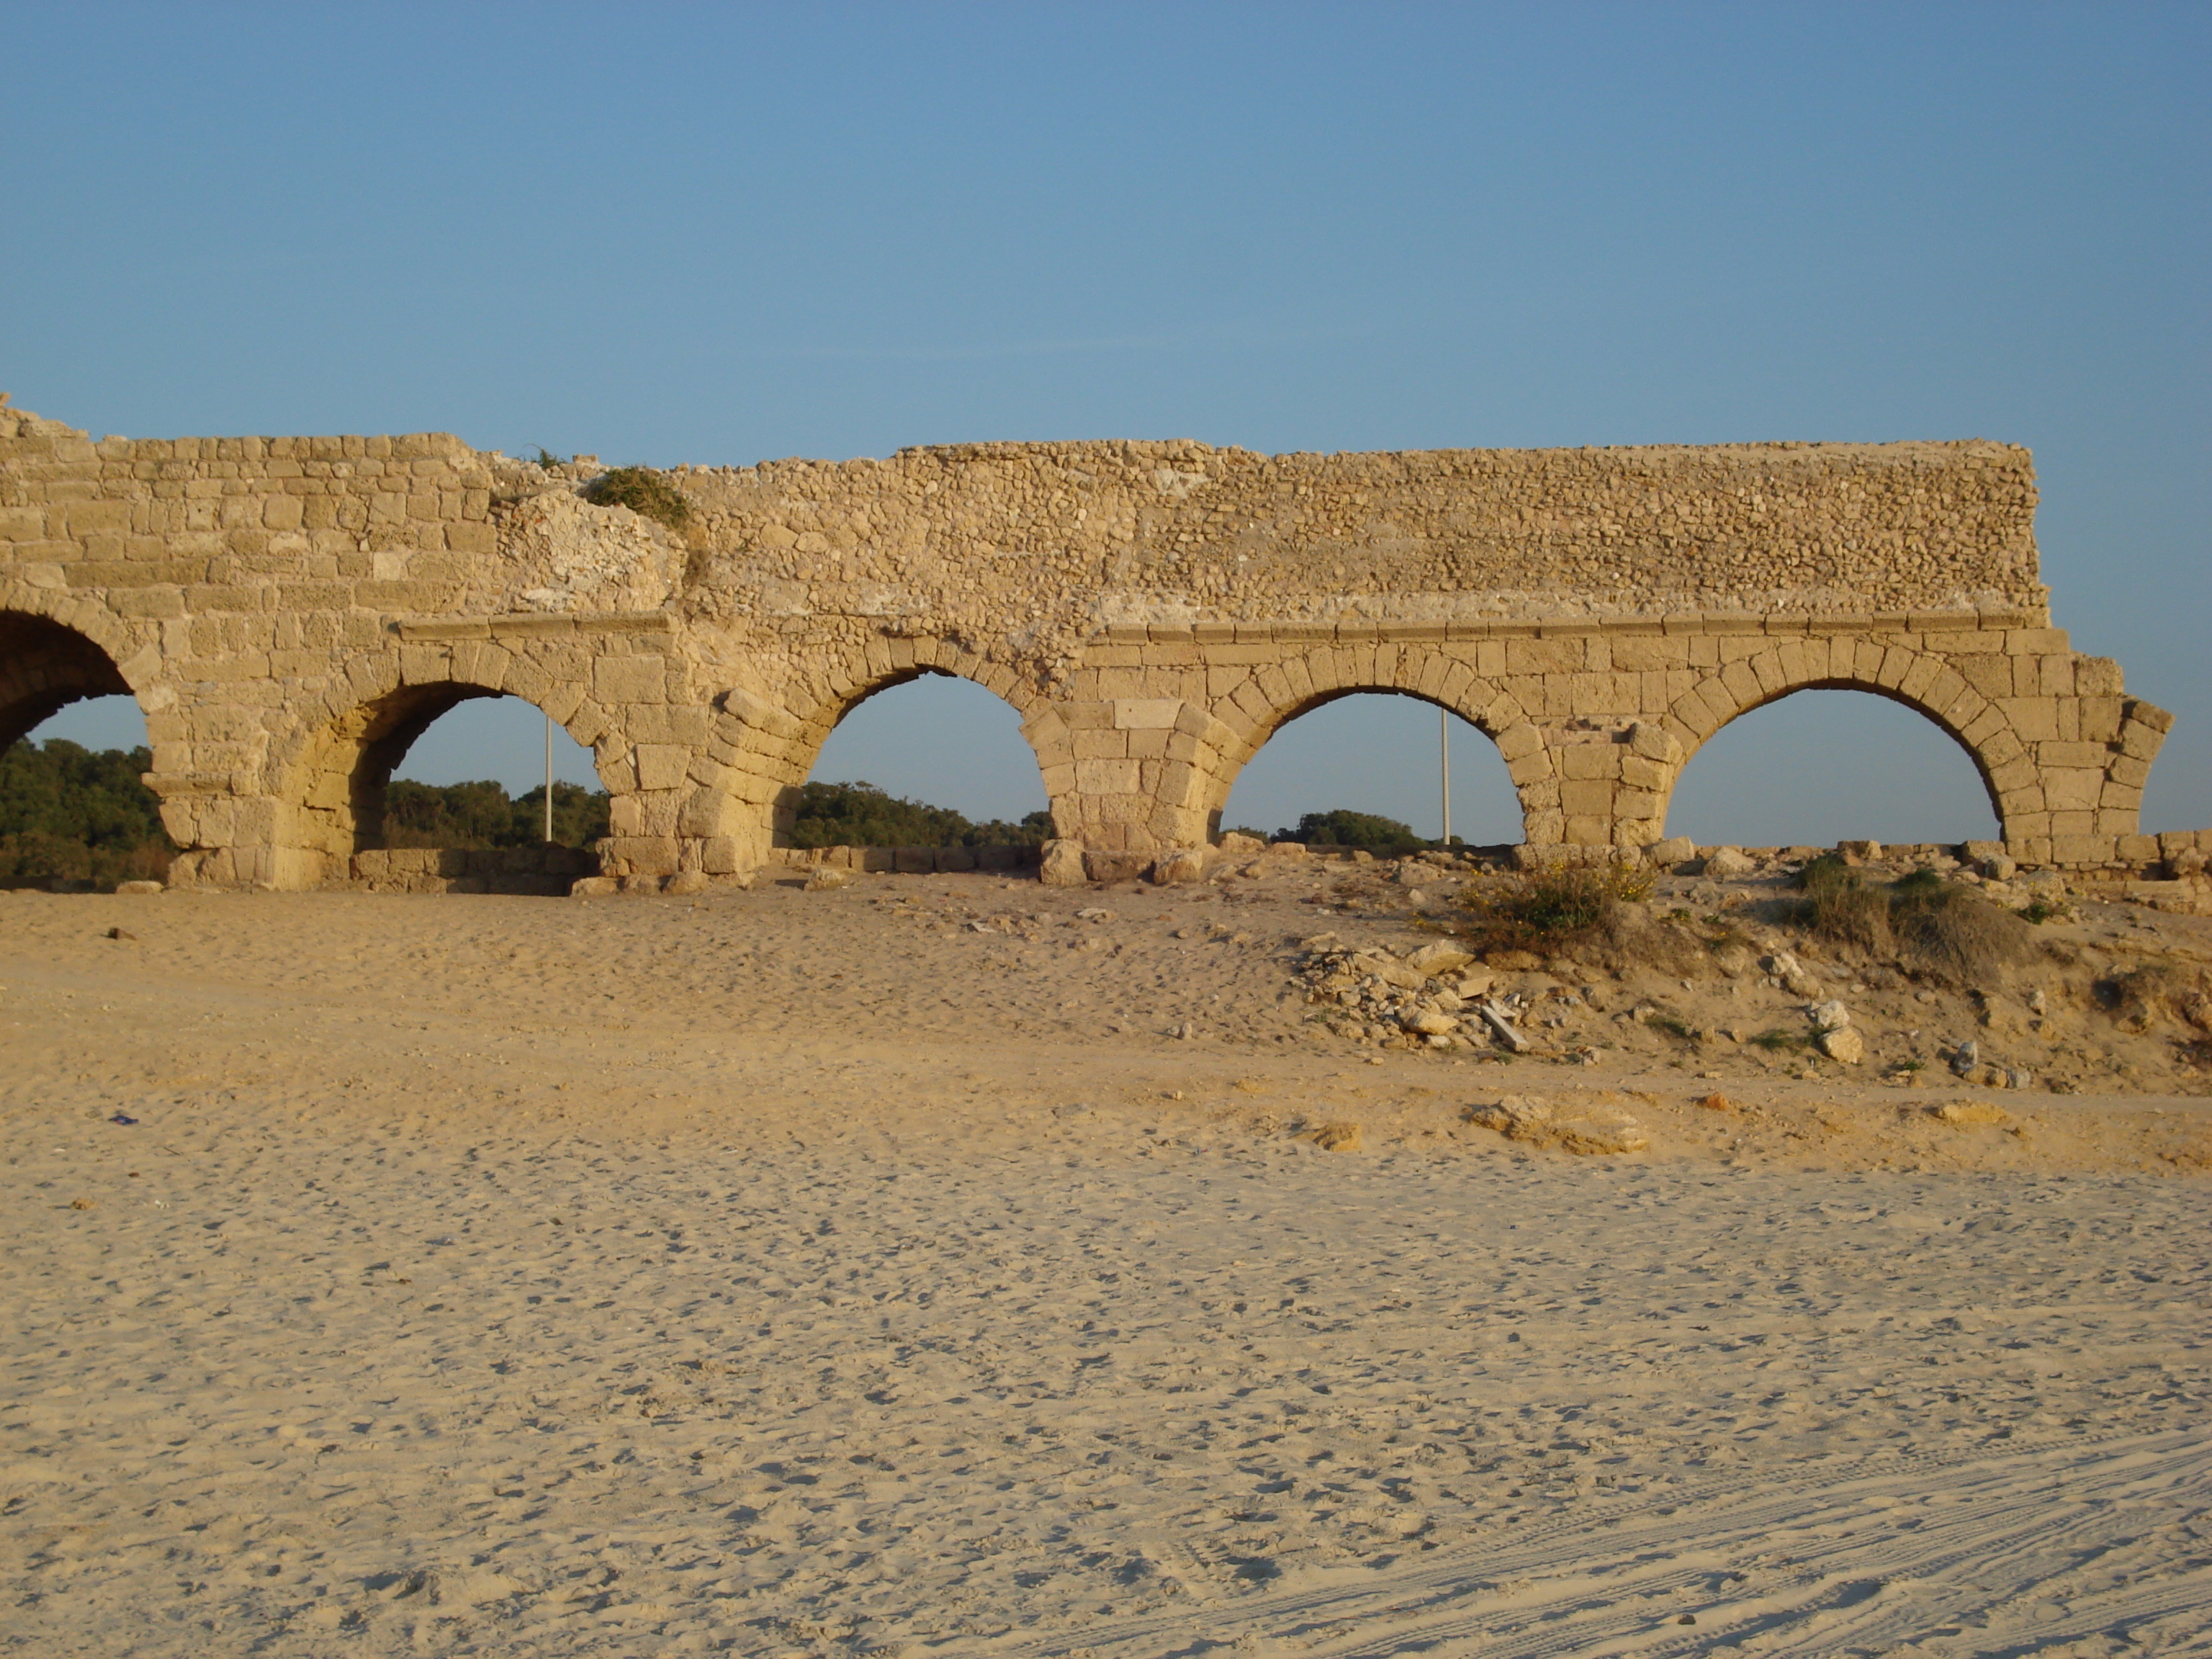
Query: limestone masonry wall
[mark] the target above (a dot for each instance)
(292, 612)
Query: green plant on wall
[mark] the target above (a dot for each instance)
(645, 492)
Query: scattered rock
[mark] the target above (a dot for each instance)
(1429, 1023)
(1336, 1137)
(123, 933)
(1590, 1128)
(1093, 913)
(1829, 1016)
(1676, 849)
(1969, 1056)
(1501, 1028)
(1233, 842)
(1843, 1044)
(1970, 1111)
(1858, 852)
(80, 1204)
(595, 887)
(1716, 1102)
(1728, 864)
(824, 876)
(137, 889)
(1062, 865)
(1179, 867)
(684, 883)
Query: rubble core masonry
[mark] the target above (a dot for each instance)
(290, 613)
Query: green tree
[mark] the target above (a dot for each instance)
(1345, 828)
(70, 815)
(478, 815)
(862, 814)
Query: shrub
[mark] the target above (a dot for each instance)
(1547, 910)
(1930, 925)
(476, 816)
(1345, 828)
(1841, 905)
(645, 492)
(1954, 933)
(862, 814)
(70, 815)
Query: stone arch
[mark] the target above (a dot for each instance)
(1273, 696)
(761, 746)
(328, 779)
(55, 652)
(1919, 680)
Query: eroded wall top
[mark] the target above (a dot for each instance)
(1020, 551)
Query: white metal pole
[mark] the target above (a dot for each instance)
(1444, 753)
(549, 779)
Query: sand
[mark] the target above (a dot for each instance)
(868, 1271)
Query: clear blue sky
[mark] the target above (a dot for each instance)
(718, 234)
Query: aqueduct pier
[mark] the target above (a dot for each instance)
(291, 612)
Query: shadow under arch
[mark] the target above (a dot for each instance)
(337, 781)
(45, 666)
(804, 753)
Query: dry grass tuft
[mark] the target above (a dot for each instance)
(1547, 911)
(2139, 1000)
(1928, 926)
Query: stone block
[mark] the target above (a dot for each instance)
(661, 765)
(1063, 864)
(1104, 864)
(617, 680)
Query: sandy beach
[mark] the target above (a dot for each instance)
(927, 1267)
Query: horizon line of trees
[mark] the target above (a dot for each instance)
(72, 815)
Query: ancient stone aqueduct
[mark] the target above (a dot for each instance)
(291, 612)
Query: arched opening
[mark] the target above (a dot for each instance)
(927, 760)
(1380, 754)
(1825, 764)
(74, 811)
(453, 776)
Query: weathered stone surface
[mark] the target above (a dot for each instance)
(1589, 1128)
(1439, 958)
(291, 611)
(1105, 865)
(1676, 849)
(1063, 864)
(1843, 1043)
(824, 876)
(1829, 1016)
(1179, 866)
(1728, 864)
(137, 888)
